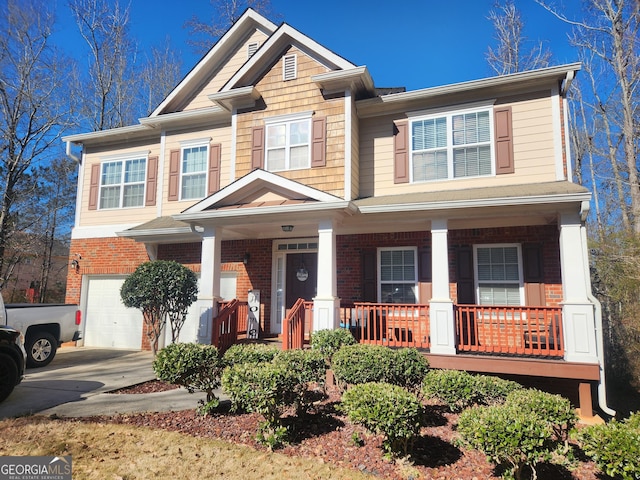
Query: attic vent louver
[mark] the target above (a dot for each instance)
(251, 49)
(289, 68)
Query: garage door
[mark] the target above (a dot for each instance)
(108, 323)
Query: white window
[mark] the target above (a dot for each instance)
(289, 67)
(499, 274)
(452, 145)
(288, 144)
(398, 274)
(122, 183)
(193, 172)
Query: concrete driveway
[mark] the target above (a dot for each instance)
(75, 383)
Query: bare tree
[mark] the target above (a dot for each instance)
(513, 53)
(35, 108)
(158, 76)
(109, 93)
(205, 32)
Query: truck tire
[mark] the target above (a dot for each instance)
(41, 348)
(8, 375)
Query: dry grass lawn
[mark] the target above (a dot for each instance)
(119, 452)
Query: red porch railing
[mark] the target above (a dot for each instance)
(510, 330)
(394, 325)
(243, 315)
(297, 324)
(225, 326)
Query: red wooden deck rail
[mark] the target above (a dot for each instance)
(533, 331)
(297, 324)
(393, 325)
(243, 315)
(225, 326)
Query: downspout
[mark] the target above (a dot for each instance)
(71, 155)
(602, 388)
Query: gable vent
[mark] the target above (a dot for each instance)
(251, 49)
(289, 67)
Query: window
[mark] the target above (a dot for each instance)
(398, 275)
(287, 145)
(499, 275)
(194, 172)
(122, 183)
(453, 145)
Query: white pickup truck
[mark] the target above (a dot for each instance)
(44, 326)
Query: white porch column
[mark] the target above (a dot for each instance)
(326, 303)
(441, 319)
(577, 310)
(209, 286)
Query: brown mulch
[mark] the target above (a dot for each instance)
(153, 386)
(327, 434)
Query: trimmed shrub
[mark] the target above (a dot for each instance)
(250, 353)
(459, 389)
(614, 447)
(304, 366)
(507, 435)
(455, 388)
(407, 369)
(385, 409)
(328, 342)
(193, 366)
(555, 409)
(265, 388)
(359, 363)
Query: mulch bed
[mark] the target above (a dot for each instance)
(328, 435)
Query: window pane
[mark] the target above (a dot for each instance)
(299, 133)
(111, 173)
(299, 157)
(275, 159)
(110, 197)
(193, 186)
(134, 171)
(133, 195)
(398, 293)
(276, 136)
(498, 275)
(484, 128)
(430, 166)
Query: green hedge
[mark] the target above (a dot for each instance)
(614, 447)
(385, 409)
(459, 389)
(193, 366)
(362, 363)
(250, 353)
(328, 342)
(305, 367)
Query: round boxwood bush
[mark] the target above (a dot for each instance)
(328, 342)
(193, 366)
(385, 409)
(250, 353)
(361, 363)
(305, 367)
(408, 368)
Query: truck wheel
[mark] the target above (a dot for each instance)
(41, 348)
(8, 375)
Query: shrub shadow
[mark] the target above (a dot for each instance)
(434, 452)
(310, 425)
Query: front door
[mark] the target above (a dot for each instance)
(301, 278)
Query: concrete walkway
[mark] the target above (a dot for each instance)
(76, 382)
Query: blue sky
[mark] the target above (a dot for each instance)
(416, 44)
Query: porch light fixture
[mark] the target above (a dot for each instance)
(246, 258)
(287, 228)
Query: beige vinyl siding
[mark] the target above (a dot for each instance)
(113, 216)
(221, 135)
(355, 155)
(533, 144)
(292, 96)
(220, 76)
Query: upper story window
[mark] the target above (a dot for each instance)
(499, 274)
(398, 275)
(452, 145)
(193, 172)
(122, 183)
(288, 145)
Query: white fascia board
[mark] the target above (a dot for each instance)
(493, 202)
(186, 117)
(243, 97)
(284, 34)
(371, 106)
(261, 178)
(341, 206)
(249, 20)
(111, 134)
(355, 79)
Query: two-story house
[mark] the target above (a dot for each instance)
(442, 218)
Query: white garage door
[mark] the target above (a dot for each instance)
(108, 323)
